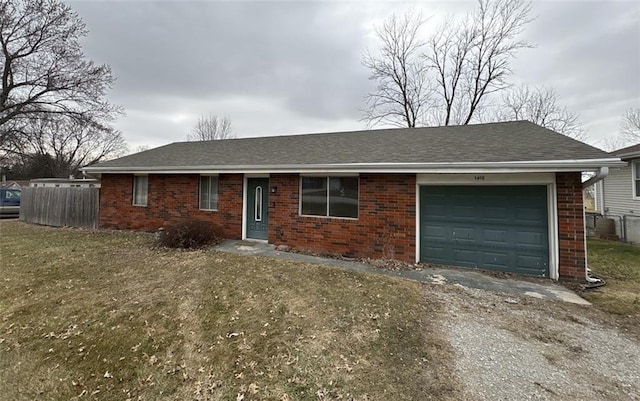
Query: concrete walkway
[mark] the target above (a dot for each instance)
(464, 278)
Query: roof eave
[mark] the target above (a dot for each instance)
(514, 166)
(630, 155)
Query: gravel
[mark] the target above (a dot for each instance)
(521, 348)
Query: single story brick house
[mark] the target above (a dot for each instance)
(500, 196)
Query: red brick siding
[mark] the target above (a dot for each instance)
(385, 226)
(570, 226)
(171, 198)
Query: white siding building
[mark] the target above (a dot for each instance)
(618, 195)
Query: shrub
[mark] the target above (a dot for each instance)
(188, 234)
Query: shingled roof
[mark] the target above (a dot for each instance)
(630, 152)
(494, 144)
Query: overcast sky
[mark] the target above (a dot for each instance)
(295, 67)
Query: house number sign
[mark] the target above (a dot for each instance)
(479, 178)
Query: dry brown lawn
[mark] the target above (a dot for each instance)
(104, 315)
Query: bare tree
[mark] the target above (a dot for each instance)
(611, 143)
(471, 58)
(43, 70)
(211, 127)
(630, 126)
(540, 105)
(58, 147)
(445, 80)
(402, 95)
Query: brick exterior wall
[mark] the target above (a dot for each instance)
(570, 226)
(385, 226)
(171, 198)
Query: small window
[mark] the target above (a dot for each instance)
(330, 196)
(636, 179)
(209, 192)
(258, 204)
(140, 189)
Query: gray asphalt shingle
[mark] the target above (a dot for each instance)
(494, 142)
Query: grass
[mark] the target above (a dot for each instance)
(619, 265)
(103, 315)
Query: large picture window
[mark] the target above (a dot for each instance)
(209, 192)
(329, 196)
(140, 190)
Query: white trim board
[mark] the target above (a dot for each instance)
(487, 179)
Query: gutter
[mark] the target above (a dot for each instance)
(600, 175)
(470, 167)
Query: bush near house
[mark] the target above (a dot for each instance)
(189, 234)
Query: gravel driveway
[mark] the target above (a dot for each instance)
(521, 348)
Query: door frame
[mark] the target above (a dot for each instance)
(495, 179)
(245, 183)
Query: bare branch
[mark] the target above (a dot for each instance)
(402, 96)
(630, 126)
(472, 57)
(540, 105)
(211, 127)
(59, 147)
(43, 69)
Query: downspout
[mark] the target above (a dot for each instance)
(600, 175)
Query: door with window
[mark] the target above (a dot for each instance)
(257, 208)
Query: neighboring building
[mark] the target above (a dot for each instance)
(15, 184)
(502, 196)
(618, 195)
(65, 183)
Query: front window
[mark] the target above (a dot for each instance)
(140, 189)
(636, 179)
(329, 196)
(209, 192)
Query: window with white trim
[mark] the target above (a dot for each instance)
(209, 192)
(329, 196)
(140, 190)
(636, 179)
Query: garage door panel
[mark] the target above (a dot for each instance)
(439, 254)
(494, 214)
(531, 239)
(494, 236)
(530, 215)
(531, 263)
(463, 233)
(465, 257)
(495, 261)
(436, 232)
(490, 227)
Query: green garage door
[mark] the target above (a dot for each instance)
(486, 227)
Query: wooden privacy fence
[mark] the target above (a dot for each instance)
(74, 207)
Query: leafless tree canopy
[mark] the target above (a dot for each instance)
(47, 82)
(630, 126)
(211, 127)
(471, 58)
(403, 94)
(60, 147)
(445, 80)
(539, 105)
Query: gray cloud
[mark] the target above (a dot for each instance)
(286, 67)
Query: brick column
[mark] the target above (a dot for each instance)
(570, 226)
